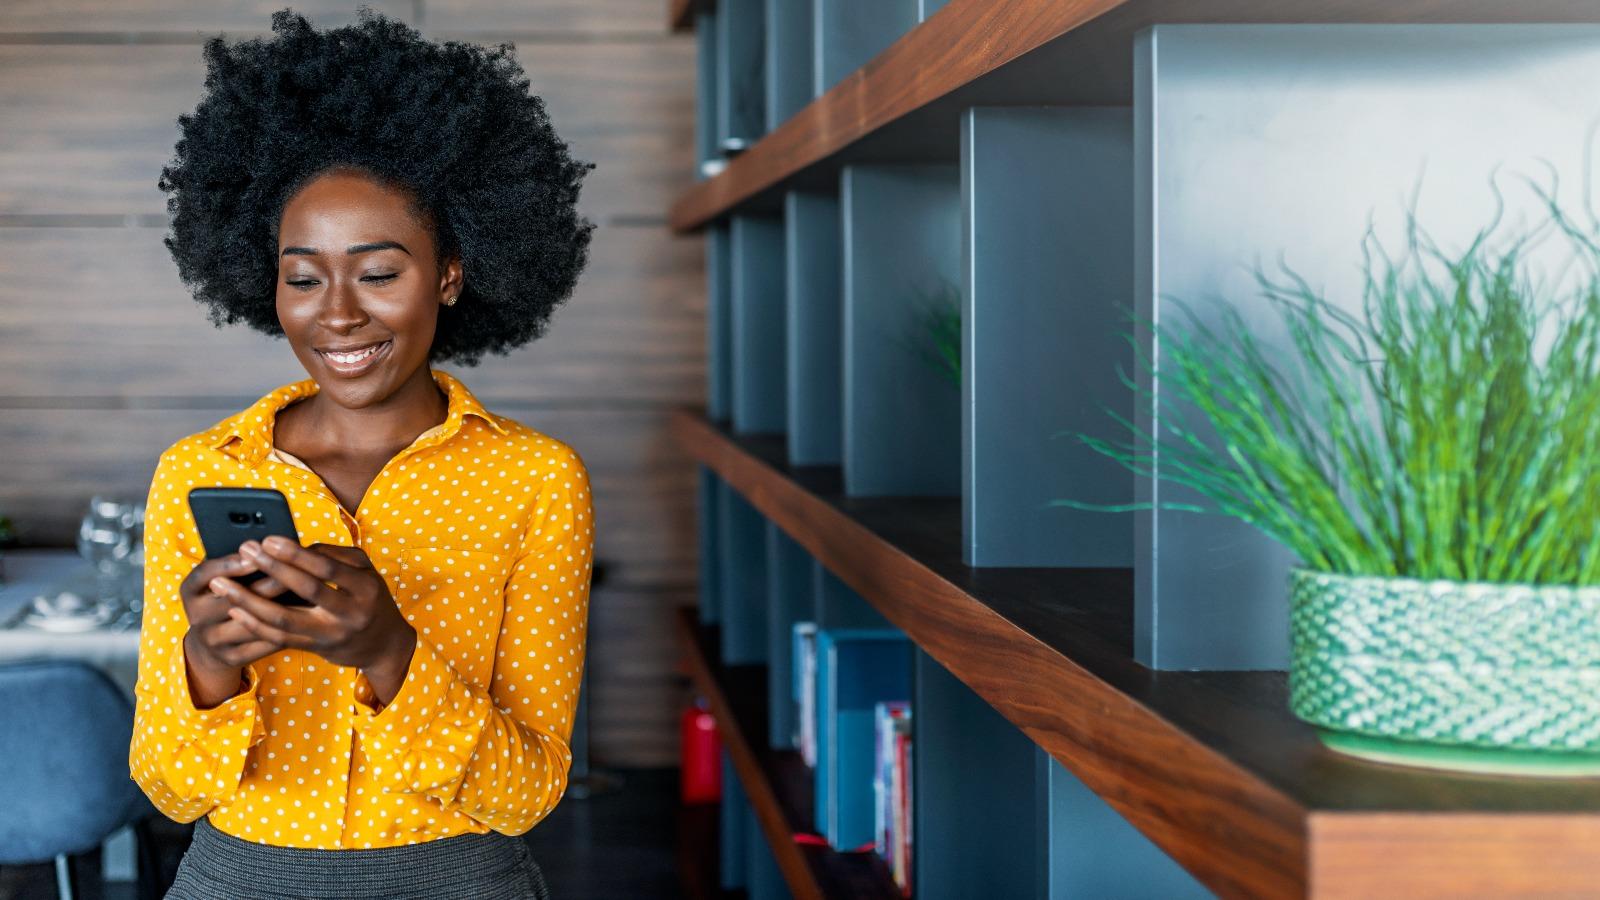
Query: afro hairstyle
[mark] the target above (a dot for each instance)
(451, 124)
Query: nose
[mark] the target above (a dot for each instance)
(341, 309)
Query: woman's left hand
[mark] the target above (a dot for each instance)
(355, 620)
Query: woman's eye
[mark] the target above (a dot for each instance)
(381, 278)
(302, 284)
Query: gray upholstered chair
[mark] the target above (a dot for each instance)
(64, 783)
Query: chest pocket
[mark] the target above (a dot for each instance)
(455, 599)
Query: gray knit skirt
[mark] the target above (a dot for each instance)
(489, 866)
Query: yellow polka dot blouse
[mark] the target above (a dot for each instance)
(483, 529)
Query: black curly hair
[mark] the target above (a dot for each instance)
(453, 124)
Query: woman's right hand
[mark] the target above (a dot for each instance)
(217, 647)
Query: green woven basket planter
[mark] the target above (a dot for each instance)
(1483, 677)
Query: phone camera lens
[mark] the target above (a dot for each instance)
(260, 519)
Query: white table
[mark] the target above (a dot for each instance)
(31, 572)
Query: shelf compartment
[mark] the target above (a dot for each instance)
(1091, 850)
(790, 599)
(707, 153)
(1261, 144)
(1047, 250)
(838, 605)
(973, 789)
(907, 100)
(901, 229)
(719, 322)
(757, 324)
(790, 57)
(848, 33)
(742, 554)
(812, 260)
(733, 872)
(982, 786)
(1210, 766)
(741, 74)
(856, 669)
(776, 782)
(746, 863)
(708, 519)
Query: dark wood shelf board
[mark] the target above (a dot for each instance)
(777, 782)
(1210, 765)
(680, 14)
(904, 104)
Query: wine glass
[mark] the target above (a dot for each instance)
(105, 539)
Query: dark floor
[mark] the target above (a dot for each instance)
(622, 844)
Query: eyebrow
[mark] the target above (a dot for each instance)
(349, 251)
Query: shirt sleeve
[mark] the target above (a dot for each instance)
(501, 756)
(187, 760)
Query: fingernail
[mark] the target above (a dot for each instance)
(218, 585)
(276, 543)
(249, 549)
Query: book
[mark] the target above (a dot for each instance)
(803, 689)
(886, 716)
(901, 863)
(856, 669)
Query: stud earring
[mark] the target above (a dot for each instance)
(452, 301)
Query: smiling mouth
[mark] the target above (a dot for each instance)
(354, 362)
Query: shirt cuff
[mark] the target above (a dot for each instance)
(209, 756)
(422, 741)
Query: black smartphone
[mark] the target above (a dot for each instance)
(227, 517)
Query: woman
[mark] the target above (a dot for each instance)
(382, 203)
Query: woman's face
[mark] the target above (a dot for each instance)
(358, 290)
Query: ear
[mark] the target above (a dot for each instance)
(450, 282)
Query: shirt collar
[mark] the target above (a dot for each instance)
(253, 425)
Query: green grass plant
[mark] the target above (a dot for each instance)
(938, 329)
(1448, 429)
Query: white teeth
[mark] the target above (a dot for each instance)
(356, 357)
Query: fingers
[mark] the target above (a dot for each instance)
(269, 587)
(269, 633)
(304, 571)
(227, 633)
(230, 643)
(247, 652)
(272, 621)
(233, 564)
(226, 588)
(320, 562)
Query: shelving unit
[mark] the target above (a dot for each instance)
(776, 782)
(1046, 162)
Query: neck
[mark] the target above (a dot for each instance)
(416, 406)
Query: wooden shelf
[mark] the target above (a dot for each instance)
(903, 105)
(778, 782)
(680, 15)
(1211, 766)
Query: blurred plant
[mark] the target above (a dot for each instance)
(1450, 429)
(937, 329)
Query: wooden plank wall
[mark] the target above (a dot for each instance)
(107, 359)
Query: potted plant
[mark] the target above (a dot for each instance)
(1433, 460)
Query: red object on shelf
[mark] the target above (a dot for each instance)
(701, 755)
